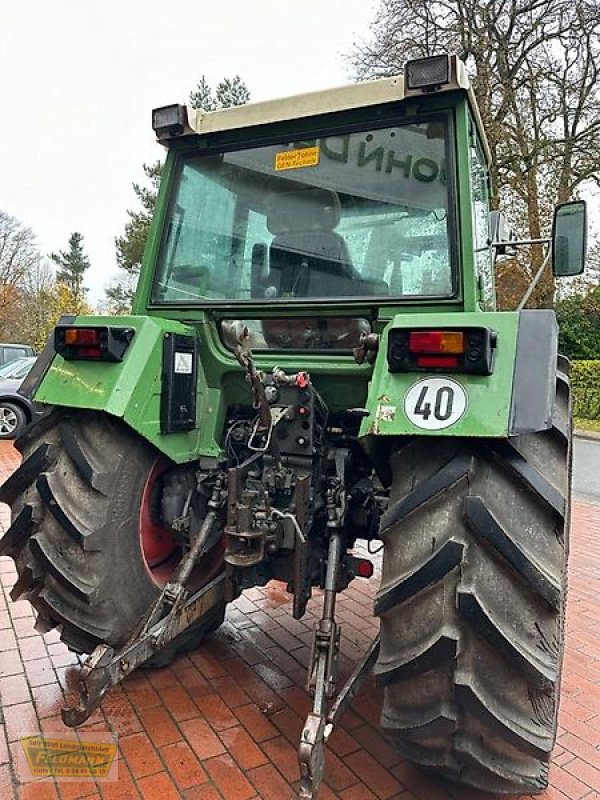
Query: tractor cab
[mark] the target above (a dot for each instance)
(353, 201)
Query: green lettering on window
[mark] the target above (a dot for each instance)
(375, 155)
(425, 170)
(405, 164)
(304, 143)
(337, 154)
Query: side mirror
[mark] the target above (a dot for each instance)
(569, 239)
(501, 236)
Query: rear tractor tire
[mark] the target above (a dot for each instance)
(81, 506)
(472, 603)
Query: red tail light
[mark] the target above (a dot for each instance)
(98, 343)
(359, 567)
(364, 568)
(436, 342)
(89, 352)
(469, 350)
(82, 336)
(437, 361)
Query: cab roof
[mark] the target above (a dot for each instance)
(343, 98)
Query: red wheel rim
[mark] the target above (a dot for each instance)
(160, 550)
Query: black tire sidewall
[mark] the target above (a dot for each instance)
(133, 589)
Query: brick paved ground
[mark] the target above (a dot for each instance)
(224, 723)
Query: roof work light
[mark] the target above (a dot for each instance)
(169, 120)
(427, 74)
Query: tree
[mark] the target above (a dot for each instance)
(535, 67)
(33, 306)
(130, 246)
(32, 298)
(228, 92)
(119, 294)
(40, 302)
(18, 255)
(72, 264)
(579, 320)
(202, 96)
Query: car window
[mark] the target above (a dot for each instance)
(12, 353)
(18, 368)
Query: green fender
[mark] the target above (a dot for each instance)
(131, 389)
(516, 398)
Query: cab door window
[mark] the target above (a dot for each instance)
(481, 212)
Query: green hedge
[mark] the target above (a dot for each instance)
(585, 383)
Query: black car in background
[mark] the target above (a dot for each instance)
(16, 411)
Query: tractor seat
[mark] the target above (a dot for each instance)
(307, 257)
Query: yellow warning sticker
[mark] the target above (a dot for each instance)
(294, 159)
(68, 758)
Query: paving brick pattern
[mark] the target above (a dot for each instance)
(224, 723)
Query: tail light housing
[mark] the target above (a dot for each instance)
(470, 350)
(92, 343)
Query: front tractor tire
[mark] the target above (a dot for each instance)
(80, 502)
(472, 603)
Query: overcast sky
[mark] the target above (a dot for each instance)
(79, 78)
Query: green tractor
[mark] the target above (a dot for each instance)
(315, 358)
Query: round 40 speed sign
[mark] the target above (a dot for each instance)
(435, 403)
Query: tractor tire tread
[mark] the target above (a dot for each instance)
(472, 603)
(42, 458)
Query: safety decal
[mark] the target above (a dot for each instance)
(183, 363)
(294, 159)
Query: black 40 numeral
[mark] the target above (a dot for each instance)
(442, 406)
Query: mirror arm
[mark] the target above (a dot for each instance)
(534, 282)
(519, 242)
